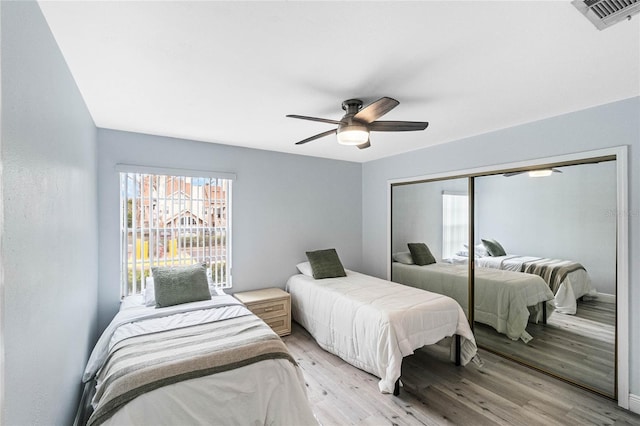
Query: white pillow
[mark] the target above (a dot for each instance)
(305, 269)
(403, 257)
(479, 251)
(149, 292)
(133, 301)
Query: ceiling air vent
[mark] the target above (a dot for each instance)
(604, 13)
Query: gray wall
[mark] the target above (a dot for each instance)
(562, 216)
(49, 237)
(283, 205)
(605, 126)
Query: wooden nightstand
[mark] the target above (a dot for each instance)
(273, 305)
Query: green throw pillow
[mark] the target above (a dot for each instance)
(325, 264)
(180, 284)
(421, 254)
(494, 248)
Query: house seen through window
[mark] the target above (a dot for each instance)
(169, 220)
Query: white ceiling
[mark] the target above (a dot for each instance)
(229, 72)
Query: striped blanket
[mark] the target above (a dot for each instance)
(146, 362)
(553, 271)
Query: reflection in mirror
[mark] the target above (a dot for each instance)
(544, 285)
(552, 238)
(435, 214)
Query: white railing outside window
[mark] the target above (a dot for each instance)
(173, 220)
(455, 223)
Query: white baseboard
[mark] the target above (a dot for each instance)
(606, 298)
(634, 403)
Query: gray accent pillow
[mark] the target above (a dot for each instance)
(421, 254)
(325, 264)
(180, 284)
(494, 248)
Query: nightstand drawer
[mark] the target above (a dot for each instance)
(270, 309)
(281, 324)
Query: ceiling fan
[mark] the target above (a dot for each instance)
(358, 122)
(534, 173)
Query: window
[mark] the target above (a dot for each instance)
(455, 223)
(166, 220)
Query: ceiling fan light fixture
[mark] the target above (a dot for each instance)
(354, 127)
(353, 135)
(540, 173)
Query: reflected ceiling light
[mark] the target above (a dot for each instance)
(533, 173)
(540, 173)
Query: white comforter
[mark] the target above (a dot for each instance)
(575, 285)
(266, 392)
(373, 323)
(504, 300)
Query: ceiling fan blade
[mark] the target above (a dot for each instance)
(318, 136)
(365, 145)
(376, 109)
(397, 126)
(556, 171)
(322, 120)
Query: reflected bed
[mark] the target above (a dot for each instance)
(504, 300)
(568, 280)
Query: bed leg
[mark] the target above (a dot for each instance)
(544, 313)
(458, 349)
(396, 388)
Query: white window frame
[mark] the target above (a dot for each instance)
(152, 232)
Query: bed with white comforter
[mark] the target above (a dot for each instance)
(504, 300)
(567, 290)
(206, 362)
(574, 285)
(373, 323)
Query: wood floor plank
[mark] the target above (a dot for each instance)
(436, 392)
(548, 414)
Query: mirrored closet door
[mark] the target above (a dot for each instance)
(557, 229)
(436, 214)
(535, 254)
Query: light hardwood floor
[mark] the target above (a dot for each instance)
(580, 347)
(436, 392)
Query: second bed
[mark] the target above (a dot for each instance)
(373, 323)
